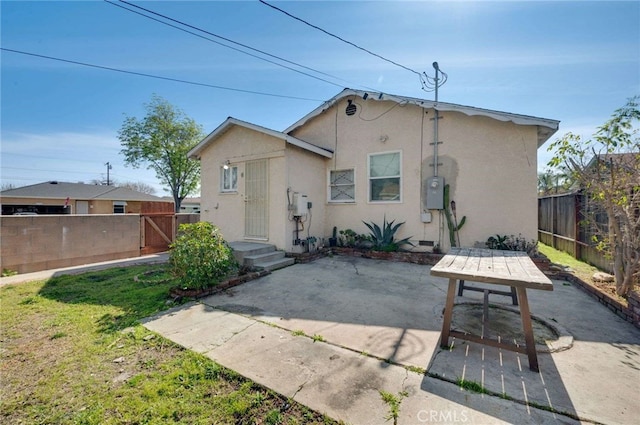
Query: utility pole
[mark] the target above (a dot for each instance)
(108, 168)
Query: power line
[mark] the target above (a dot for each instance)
(43, 169)
(69, 172)
(141, 74)
(229, 41)
(341, 39)
(41, 157)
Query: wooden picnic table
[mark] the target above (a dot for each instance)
(510, 268)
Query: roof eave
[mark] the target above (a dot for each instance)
(231, 122)
(546, 127)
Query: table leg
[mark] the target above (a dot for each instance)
(448, 313)
(514, 296)
(485, 315)
(525, 314)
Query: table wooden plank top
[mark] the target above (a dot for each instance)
(511, 268)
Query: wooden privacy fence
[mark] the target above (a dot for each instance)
(561, 224)
(158, 230)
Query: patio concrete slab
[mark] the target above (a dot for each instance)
(380, 322)
(333, 380)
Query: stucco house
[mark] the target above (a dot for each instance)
(54, 197)
(365, 156)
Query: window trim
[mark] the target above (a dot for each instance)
(222, 172)
(399, 176)
(122, 204)
(329, 186)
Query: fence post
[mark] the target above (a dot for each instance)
(554, 224)
(174, 226)
(142, 233)
(577, 205)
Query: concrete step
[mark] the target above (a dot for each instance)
(244, 249)
(254, 259)
(260, 256)
(276, 264)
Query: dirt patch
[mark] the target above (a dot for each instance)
(607, 288)
(505, 324)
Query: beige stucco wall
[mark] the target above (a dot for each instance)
(290, 169)
(306, 174)
(96, 206)
(32, 243)
(227, 210)
(490, 165)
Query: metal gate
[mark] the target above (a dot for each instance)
(256, 214)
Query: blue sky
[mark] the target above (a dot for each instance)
(572, 61)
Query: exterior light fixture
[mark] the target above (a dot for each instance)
(226, 165)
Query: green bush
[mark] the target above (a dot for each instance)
(350, 239)
(513, 243)
(200, 257)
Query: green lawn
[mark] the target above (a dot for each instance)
(73, 352)
(580, 268)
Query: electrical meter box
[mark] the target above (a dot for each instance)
(299, 204)
(435, 193)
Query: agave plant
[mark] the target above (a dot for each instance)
(383, 238)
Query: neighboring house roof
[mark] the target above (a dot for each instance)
(233, 122)
(191, 201)
(62, 190)
(627, 161)
(546, 127)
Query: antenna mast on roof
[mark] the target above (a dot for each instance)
(433, 83)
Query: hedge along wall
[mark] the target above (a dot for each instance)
(34, 243)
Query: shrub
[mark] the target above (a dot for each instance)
(351, 239)
(513, 243)
(200, 257)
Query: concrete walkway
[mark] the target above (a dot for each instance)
(333, 333)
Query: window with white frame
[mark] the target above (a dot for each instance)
(385, 177)
(229, 179)
(119, 207)
(342, 185)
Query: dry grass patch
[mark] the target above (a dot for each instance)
(73, 352)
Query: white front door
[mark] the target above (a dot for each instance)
(256, 213)
(82, 207)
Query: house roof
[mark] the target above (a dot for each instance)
(62, 190)
(231, 122)
(546, 127)
(628, 160)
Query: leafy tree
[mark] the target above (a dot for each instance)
(550, 183)
(162, 140)
(608, 168)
